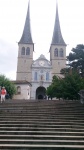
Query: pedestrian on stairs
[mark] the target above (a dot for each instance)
(3, 94)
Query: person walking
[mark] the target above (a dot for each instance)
(3, 94)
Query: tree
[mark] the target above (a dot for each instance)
(72, 84)
(65, 71)
(10, 87)
(76, 59)
(49, 91)
(56, 82)
(67, 87)
(55, 89)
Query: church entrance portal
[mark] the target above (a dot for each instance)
(40, 93)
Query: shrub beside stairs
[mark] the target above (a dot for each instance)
(41, 125)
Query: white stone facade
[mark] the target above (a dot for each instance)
(41, 76)
(23, 90)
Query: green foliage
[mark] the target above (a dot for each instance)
(65, 71)
(10, 87)
(49, 91)
(72, 85)
(54, 89)
(66, 88)
(76, 59)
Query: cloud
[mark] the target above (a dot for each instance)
(8, 58)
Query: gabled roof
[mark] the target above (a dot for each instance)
(42, 57)
(57, 38)
(26, 36)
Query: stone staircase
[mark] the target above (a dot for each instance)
(41, 125)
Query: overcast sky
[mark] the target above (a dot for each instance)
(42, 14)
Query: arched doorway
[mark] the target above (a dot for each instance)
(40, 93)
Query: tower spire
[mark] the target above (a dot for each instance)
(26, 36)
(57, 36)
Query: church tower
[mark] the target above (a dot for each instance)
(57, 48)
(25, 52)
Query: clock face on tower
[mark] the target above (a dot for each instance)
(41, 63)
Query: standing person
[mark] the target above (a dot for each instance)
(3, 94)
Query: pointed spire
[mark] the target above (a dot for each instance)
(26, 36)
(57, 36)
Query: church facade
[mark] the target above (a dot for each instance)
(39, 72)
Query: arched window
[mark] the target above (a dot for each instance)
(28, 51)
(47, 76)
(56, 52)
(23, 51)
(61, 54)
(18, 90)
(35, 76)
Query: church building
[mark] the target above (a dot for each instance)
(36, 75)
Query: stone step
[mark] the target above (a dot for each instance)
(41, 146)
(44, 108)
(39, 114)
(41, 122)
(48, 105)
(42, 118)
(17, 132)
(78, 112)
(35, 125)
(40, 141)
(18, 111)
(36, 116)
(49, 142)
(45, 116)
(42, 137)
(41, 125)
(41, 104)
(40, 129)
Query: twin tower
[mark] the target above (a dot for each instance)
(26, 48)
